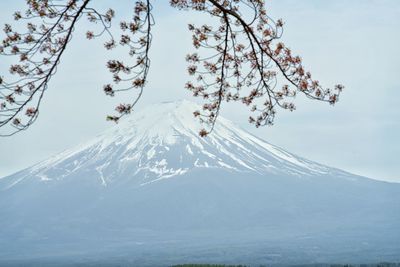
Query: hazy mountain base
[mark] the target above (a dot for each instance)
(203, 219)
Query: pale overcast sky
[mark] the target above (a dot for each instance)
(351, 42)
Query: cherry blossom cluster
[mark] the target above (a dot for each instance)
(37, 48)
(244, 60)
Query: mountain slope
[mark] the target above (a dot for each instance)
(150, 191)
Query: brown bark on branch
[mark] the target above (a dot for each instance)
(245, 59)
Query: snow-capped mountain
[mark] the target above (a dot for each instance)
(161, 142)
(150, 191)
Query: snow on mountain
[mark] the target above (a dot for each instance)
(162, 141)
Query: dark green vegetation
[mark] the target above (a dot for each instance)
(207, 265)
(384, 264)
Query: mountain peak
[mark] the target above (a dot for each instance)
(163, 121)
